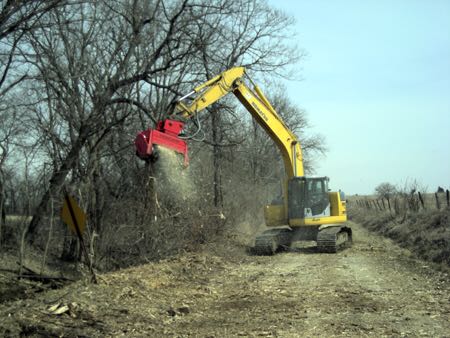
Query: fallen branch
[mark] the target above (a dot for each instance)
(28, 269)
(44, 279)
(33, 275)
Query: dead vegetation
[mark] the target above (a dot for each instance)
(414, 224)
(219, 291)
(93, 82)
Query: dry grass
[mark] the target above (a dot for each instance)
(17, 219)
(221, 292)
(426, 233)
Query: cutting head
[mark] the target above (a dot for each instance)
(165, 135)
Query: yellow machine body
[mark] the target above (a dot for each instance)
(256, 103)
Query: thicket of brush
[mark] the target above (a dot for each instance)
(80, 79)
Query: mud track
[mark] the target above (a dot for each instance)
(373, 289)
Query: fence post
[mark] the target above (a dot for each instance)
(375, 204)
(396, 206)
(379, 204)
(448, 197)
(415, 202)
(438, 204)
(421, 200)
(389, 203)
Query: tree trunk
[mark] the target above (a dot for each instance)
(96, 201)
(99, 202)
(217, 180)
(57, 181)
(253, 154)
(13, 201)
(70, 247)
(2, 207)
(149, 193)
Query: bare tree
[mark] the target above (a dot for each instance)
(90, 80)
(385, 190)
(16, 19)
(249, 33)
(9, 132)
(20, 15)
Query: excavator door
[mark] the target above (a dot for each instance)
(308, 197)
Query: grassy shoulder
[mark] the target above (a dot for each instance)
(426, 233)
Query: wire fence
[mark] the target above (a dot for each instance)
(400, 202)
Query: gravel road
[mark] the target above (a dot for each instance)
(373, 289)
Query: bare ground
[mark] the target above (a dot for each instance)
(373, 289)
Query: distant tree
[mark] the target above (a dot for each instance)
(16, 19)
(385, 190)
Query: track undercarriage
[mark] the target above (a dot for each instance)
(330, 239)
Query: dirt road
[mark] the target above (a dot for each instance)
(373, 289)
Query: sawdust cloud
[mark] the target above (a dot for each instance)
(174, 178)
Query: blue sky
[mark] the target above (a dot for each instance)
(376, 84)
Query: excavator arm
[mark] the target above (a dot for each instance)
(253, 99)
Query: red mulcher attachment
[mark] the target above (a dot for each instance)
(166, 135)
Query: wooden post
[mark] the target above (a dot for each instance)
(448, 197)
(378, 204)
(421, 200)
(414, 203)
(438, 204)
(396, 206)
(389, 203)
(374, 204)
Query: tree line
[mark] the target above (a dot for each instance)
(78, 80)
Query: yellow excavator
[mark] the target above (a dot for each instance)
(307, 211)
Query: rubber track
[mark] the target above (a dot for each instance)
(270, 241)
(328, 239)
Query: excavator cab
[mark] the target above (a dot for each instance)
(308, 197)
